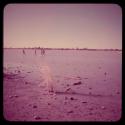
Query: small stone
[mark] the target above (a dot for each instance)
(10, 96)
(78, 77)
(48, 103)
(68, 89)
(90, 88)
(77, 83)
(37, 117)
(84, 102)
(85, 78)
(90, 113)
(105, 73)
(70, 112)
(26, 82)
(34, 106)
(16, 96)
(90, 108)
(65, 102)
(103, 107)
(29, 104)
(72, 98)
(118, 92)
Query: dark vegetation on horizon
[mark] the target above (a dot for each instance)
(66, 49)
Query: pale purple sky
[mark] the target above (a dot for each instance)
(63, 25)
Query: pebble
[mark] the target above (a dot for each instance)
(85, 78)
(72, 98)
(16, 96)
(70, 112)
(78, 77)
(10, 96)
(34, 106)
(26, 82)
(65, 102)
(77, 83)
(13, 96)
(105, 73)
(90, 108)
(90, 88)
(68, 89)
(37, 117)
(90, 113)
(84, 102)
(118, 92)
(103, 107)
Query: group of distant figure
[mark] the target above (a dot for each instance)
(42, 51)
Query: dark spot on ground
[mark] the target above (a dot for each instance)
(90, 108)
(72, 98)
(85, 78)
(37, 117)
(34, 106)
(77, 83)
(118, 92)
(90, 88)
(66, 98)
(84, 102)
(70, 112)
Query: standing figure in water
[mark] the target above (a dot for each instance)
(42, 51)
(23, 52)
(35, 51)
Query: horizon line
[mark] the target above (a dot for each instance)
(62, 48)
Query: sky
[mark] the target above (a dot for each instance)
(63, 26)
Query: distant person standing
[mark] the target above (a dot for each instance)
(23, 51)
(42, 51)
(35, 51)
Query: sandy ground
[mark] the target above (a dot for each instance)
(87, 86)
